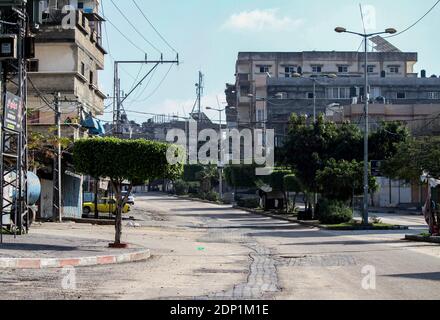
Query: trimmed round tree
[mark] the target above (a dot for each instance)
(124, 162)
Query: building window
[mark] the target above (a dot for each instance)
(91, 80)
(264, 69)
(310, 95)
(289, 70)
(434, 95)
(401, 95)
(338, 93)
(394, 69)
(80, 5)
(260, 115)
(316, 69)
(370, 69)
(83, 69)
(375, 92)
(343, 69)
(33, 65)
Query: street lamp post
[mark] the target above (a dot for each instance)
(220, 164)
(315, 82)
(365, 218)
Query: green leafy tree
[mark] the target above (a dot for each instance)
(384, 142)
(311, 146)
(190, 172)
(208, 177)
(134, 161)
(340, 180)
(413, 157)
(307, 148)
(240, 176)
(292, 184)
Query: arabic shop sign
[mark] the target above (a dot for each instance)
(13, 108)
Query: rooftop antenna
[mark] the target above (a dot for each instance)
(199, 91)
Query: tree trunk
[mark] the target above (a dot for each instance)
(96, 198)
(120, 203)
(116, 185)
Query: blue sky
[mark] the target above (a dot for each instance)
(208, 34)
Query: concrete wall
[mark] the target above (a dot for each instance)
(393, 193)
(55, 57)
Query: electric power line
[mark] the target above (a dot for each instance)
(415, 23)
(158, 86)
(134, 28)
(154, 28)
(123, 35)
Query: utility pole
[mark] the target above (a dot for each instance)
(365, 217)
(220, 165)
(366, 36)
(200, 88)
(57, 205)
(118, 100)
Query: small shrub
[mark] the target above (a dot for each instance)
(305, 215)
(333, 212)
(193, 187)
(212, 196)
(250, 203)
(181, 187)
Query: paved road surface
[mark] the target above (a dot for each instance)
(206, 251)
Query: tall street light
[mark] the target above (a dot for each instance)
(366, 114)
(220, 163)
(315, 82)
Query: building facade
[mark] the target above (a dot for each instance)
(64, 75)
(69, 55)
(271, 86)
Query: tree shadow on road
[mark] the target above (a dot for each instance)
(435, 276)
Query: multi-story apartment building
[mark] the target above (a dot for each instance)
(414, 100)
(68, 57)
(270, 86)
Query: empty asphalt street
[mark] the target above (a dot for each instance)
(206, 251)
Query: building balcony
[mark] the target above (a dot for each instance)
(85, 33)
(244, 100)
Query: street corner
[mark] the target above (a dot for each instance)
(40, 251)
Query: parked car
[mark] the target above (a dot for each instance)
(130, 200)
(105, 205)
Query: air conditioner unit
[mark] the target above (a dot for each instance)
(8, 46)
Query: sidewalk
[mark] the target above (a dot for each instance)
(39, 251)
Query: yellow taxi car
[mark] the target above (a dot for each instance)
(105, 205)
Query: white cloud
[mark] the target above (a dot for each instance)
(261, 20)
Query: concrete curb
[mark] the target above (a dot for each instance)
(199, 200)
(315, 224)
(419, 238)
(49, 263)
